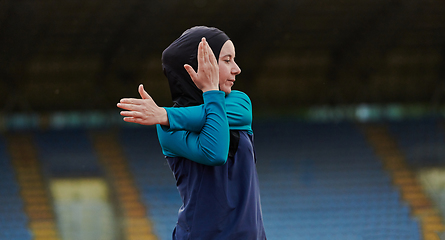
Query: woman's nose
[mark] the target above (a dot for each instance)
(236, 70)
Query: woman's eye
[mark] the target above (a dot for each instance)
(227, 61)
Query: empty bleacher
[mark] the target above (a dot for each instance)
(329, 180)
(328, 184)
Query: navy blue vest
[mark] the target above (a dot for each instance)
(221, 202)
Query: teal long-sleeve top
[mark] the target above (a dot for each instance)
(201, 133)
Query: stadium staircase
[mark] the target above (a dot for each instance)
(34, 193)
(13, 219)
(136, 225)
(404, 177)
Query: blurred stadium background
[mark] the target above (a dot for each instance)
(348, 116)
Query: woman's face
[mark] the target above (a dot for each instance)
(228, 69)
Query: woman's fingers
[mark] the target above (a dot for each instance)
(208, 55)
(129, 101)
(201, 52)
(143, 93)
(132, 120)
(191, 72)
(130, 114)
(212, 58)
(133, 101)
(212, 66)
(206, 78)
(143, 111)
(130, 107)
(207, 51)
(133, 116)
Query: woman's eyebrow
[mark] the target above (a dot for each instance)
(227, 55)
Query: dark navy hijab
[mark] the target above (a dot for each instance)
(182, 51)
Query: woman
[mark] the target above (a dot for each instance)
(214, 169)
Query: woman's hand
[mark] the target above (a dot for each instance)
(143, 111)
(207, 77)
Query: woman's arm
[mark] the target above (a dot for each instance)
(238, 109)
(211, 145)
(186, 118)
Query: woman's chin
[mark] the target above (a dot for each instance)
(227, 90)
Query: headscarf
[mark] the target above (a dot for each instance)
(182, 51)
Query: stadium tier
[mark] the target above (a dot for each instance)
(327, 180)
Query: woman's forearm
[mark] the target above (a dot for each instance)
(210, 146)
(238, 109)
